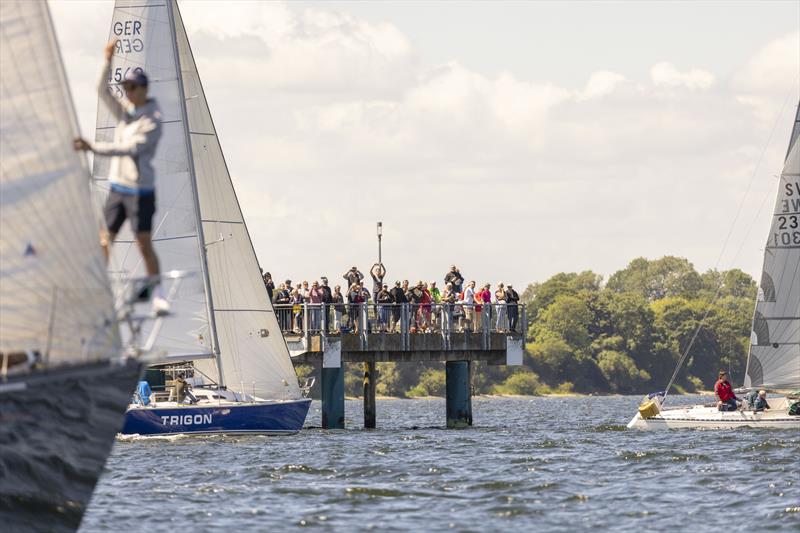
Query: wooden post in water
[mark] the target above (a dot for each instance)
(459, 394)
(370, 382)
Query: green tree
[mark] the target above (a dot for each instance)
(523, 382)
(538, 296)
(621, 372)
(661, 278)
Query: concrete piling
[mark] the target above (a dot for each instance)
(459, 394)
(333, 398)
(370, 382)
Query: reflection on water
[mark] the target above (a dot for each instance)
(554, 463)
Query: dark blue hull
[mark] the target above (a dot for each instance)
(268, 417)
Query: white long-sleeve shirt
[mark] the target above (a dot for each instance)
(135, 139)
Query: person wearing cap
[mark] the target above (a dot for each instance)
(455, 278)
(513, 310)
(353, 276)
(131, 174)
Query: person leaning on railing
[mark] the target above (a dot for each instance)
(398, 298)
(384, 300)
(513, 310)
(448, 299)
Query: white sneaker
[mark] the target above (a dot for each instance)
(160, 306)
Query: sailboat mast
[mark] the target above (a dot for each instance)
(212, 325)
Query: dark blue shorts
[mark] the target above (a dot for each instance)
(137, 208)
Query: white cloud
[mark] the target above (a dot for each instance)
(302, 50)
(600, 84)
(667, 75)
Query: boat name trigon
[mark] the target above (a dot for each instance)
(185, 420)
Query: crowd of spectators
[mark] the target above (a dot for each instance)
(459, 306)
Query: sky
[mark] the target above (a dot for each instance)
(513, 139)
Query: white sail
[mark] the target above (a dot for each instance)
(774, 359)
(145, 41)
(253, 352)
(54, 293)
(230, 314)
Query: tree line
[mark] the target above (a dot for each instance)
(620, 335)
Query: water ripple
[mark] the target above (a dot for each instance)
(551, 464)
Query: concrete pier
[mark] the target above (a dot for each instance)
(458, 394)
(491, 343)
(370, 383)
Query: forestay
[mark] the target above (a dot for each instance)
(253, 352)
(774, 359)
(54, 293)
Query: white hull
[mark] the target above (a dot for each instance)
(708, 417)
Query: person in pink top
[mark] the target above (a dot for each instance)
(486, 298)
(315, 295)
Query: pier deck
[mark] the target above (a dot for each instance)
(491, 342)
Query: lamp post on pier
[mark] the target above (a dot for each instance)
(380, 235)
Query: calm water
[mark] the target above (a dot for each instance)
(552, 463)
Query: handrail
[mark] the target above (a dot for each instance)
(306, 319)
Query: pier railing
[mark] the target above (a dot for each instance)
(401, 319)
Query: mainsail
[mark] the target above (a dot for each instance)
(55, 297)
(198, 224)
(774, 359)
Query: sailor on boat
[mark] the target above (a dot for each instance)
(726, 398)
(131, 173)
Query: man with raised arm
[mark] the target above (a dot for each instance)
(131, 174)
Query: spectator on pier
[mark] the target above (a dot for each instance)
(315, 296)
(425, 307)
(304, 291)
(726, 399)
(448, 299)
(513, 310)
(283, 299)
(469, 306)
(399, 298)
(436, 309)
(337, 300)
(297, 310)
(486, 298)
(353, 276)
(355, 297)
(378, 272)
(384, 300)
(269, 284)
(454, 277)
(415, 299)
(500, 302)
(405, 288)
(326, 300)
(478, 308)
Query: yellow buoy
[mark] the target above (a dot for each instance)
(649, 408)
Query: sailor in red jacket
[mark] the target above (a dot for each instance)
(727, 400)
